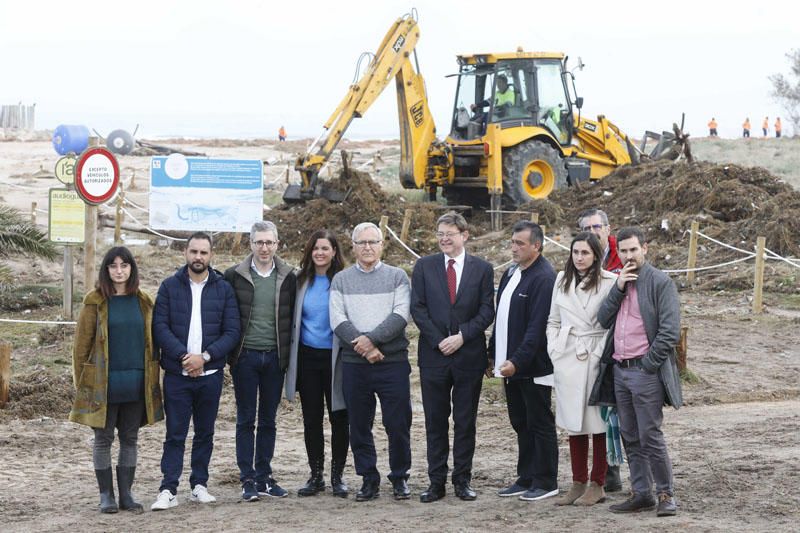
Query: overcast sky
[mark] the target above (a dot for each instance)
(243, 68)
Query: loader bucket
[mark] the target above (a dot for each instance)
(669, 144)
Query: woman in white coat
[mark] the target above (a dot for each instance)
(313, 364)
(575, 343)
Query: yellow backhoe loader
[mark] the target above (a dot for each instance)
(516, 132)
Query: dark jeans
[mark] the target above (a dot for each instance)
(640, 399)
(442, 387)
(185, 399)
(257, 382)
(314, 386)
(126, 418)
(534, 423)
(390, 382)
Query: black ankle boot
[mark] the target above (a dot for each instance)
(338, 487)
(125, 475)
(315, 483)
(105, 482)
(613, 480)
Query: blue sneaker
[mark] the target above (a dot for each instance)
(513, 490)
(270, 488)
(249, 492)
(538, 494)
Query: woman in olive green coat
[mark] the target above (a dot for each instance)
(116, 373)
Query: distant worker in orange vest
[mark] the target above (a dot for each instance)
(712, 128)
(765, 126)
(778, 128)
(282, 134)
(746, 128)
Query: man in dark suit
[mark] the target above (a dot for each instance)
(452, 304)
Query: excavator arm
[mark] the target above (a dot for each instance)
(417, 131)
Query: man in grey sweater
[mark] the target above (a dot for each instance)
(643, 314)
(369, 311)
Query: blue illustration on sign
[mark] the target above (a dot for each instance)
(193, 193)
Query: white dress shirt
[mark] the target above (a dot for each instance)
(194, 344)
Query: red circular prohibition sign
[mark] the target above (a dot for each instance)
(81, 188)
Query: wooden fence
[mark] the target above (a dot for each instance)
(18, 116)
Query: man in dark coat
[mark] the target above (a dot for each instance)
(195, 327)
(518, 353)
(452, 304)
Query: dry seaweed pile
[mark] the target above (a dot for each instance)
(366, 202)
(733, 204)
(39, 393)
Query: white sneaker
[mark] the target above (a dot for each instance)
(166, 500)
(200, 495)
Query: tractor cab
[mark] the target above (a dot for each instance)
(518, 89)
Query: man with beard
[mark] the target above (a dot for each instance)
(195, 327)
(642, 312)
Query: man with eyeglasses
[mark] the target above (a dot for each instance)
(265, 290)
(452, 302)
(596, 221)
(369, 312)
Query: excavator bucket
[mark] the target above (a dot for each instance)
(317, 188)
(295, 194)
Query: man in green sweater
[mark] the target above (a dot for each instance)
(369, 310)
(265, 291)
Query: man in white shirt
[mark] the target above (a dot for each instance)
(195, 327)
(518, 353)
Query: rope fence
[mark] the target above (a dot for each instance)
(16, 321)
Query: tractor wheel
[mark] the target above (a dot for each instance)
(531, 170)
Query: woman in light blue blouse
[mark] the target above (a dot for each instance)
(312, 364)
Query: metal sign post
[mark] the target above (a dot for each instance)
(96, 181)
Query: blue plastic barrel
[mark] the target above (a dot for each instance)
(68, 139)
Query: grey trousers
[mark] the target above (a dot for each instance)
(126, 418)
(640, 399)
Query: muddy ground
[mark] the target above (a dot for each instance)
(734, 445)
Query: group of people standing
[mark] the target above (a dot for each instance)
(712, 127)
(601, 333)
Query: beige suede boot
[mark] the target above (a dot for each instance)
(594, 494)
(575, 491)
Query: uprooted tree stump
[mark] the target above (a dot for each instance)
(5, 372)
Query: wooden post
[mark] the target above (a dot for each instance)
(132, 185)
(33, 213)
(5, 372)
(383, 223)
(406, 225)
(90, 242)
(758, 282)
(67, 282)
(682, 348)
(535, 218)
(692, 251)
(119, 218)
